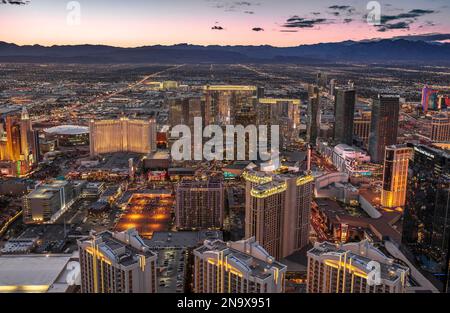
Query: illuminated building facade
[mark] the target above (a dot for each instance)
(17, 142)
(231, 105)
(395, 176)
(361, 127)
(282, 112)
(277, 211)
(344, 112)
(236, 267)
(440, 128)
(384, 125)
(200, 204)
(117, 262)
(182, 110)
(426, 220)
(432, 100)
(334, 268)
(122, 135)
(313, 114)
(428, 95)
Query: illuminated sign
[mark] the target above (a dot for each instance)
(424, 152)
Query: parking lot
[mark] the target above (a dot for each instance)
(171, 270)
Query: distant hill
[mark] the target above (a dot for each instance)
(369, 51)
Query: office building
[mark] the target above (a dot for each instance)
(116, 262)
(384, 125)
(361, 128)
(332, 87)
(231, 105)
(344, 111)
(199, 204)
(313, 114)
(282, 112)
(395, 176)
(122, 135)
(236, 267)
(277, 211)
(183, 110)
(322, 79)
(48, 201)
(440, 128)
(344, 268)
(426, 220)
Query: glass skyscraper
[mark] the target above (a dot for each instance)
(384, 125)
(426, 225)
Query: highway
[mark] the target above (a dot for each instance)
(132, 86)
(264, 74)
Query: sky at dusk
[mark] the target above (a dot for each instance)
(131, 23)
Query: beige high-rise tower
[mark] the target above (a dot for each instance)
(236, 267)
(440, 128)
(113, 262)
(277, 211)
(122, 135)
(348, 269)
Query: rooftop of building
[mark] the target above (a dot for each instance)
(211, 182)
(230, 88)
(159, 155)
(360, 254)
(269, 188)
(67, 130)
(181, 239)
(421, 148)
(277, 100)
(122, 248)
(441, 116)
(9, 109)
(257, 262)
(34, 273)
(47, 190)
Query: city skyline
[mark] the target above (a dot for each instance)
(305, 150)
(211, 22)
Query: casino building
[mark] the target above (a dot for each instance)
(122, 135)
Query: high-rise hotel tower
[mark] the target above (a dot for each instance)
(277, 211)
(349, 268)
(236, 267)
(200, 204)
(122, 135)
(395, 176)
(113, 262)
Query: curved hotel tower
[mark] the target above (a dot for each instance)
(236, 267)
(122, 135)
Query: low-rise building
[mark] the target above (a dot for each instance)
(48, 201)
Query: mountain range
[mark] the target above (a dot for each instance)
(395, 50)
